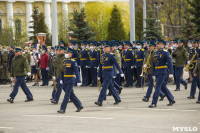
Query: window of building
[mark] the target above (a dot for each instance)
(18, 26)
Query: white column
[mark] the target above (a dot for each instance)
(47, 14)
(9, 9)
(132, 20)
(81, 4)
(54, 23)
(65, 10)
(144, 16)
(28, 18)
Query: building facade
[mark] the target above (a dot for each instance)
(17, 13)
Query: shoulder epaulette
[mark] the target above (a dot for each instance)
(111, 53)
(95, 50)
(142, 49)
(165, 50)
(72, 60)
(130, 49)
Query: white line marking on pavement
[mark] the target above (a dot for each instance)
(151, 109)
(59, 116)
(115, 107)
(6, 127)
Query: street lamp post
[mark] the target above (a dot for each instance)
(158, 5)
(144, 17)
(54, 23)
(132, 20)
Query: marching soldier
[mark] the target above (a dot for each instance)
(138, 61)
(148, 65)
(162, 61)
(180, 55)
(94, 62)
(84, 63)
(128, 62)
(194, 51)
(197, 75)
(57, 71)
(69, 72)
(19, 69)
(106, 70)
(51, 57)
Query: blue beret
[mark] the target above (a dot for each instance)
(44, 47)
(17, 49)
(52, 48)
(180, 41)
(151, 43)
(62, 42)
(161, 41)
(139, 43)
(13, 47)
(60, 48)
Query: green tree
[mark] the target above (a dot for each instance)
(152, 32)
(80, 29)
(38, 25)
(139, 23)
(116, 27)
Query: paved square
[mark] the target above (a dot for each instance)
(132, 115)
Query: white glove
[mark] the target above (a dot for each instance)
(29, 74)
(78, 84)
(145, 65)
(188, 62)
(154, 77)
(99, 78)
(61, 82)
(11, 78)
(122, 75)
(114, 77)
(117, 72)
(47, 68)
(132, 67)
(54, 77)
(171, 76)
(86, 67)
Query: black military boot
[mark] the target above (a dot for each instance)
(145, 99)
(10, 100)
(171, 103)
(152, 105)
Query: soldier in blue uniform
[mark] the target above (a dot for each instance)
(162, 63)
(106, 69)
(68, 77)
(128, 62)
(94, 62)
(138, 61)
(193, 51)
(84, 58)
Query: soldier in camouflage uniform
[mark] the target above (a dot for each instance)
(19, 69)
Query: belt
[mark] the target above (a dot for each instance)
(127, 59)
(106, 67)
(160, 67)
(83, 58)
(68, 76)
(92, 58)
(139, 59)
